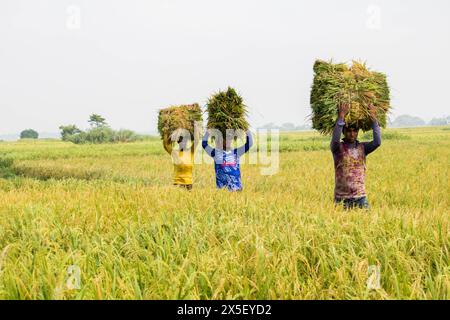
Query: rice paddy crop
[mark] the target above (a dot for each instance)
(110, 212)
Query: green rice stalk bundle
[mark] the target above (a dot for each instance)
(178, 117)
(226, 110)
(335, 84)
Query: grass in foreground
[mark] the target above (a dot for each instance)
(112, 212)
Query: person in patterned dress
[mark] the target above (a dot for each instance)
(227, 161)
(350, 160)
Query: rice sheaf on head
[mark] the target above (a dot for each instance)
(226, 110)
(178, 117)
(356, 85)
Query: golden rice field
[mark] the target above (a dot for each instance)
(111, 211)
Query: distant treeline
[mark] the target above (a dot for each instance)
(288, 126)
(410, 121)
(99, 132)
(400, 121)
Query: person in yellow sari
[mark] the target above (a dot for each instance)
(183, 161)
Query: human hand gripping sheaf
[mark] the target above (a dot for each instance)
(343, 110)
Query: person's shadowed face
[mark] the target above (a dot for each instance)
(350, 134)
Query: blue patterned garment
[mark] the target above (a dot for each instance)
(228, 170)
(226, 164)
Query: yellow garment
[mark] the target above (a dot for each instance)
(183, 164)
(183, 167)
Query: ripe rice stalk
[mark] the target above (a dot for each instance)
(356, 85)
(178, 117)
(226, 110)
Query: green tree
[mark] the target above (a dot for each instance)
(124, 135)
(99, 132)
(68, 131)
(29, 134)
(99, 135)
(97, 121)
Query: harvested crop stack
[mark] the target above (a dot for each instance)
(178, 117)
(335, 84)
(226, 110)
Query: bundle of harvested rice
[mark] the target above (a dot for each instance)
(226, 110)
(178, 117)
(356, 85)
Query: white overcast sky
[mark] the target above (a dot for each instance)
(124, 59)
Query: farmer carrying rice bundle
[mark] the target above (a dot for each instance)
(176, 126)
(343, 100)
(350, 160)
(337, 84)
(226, 118)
